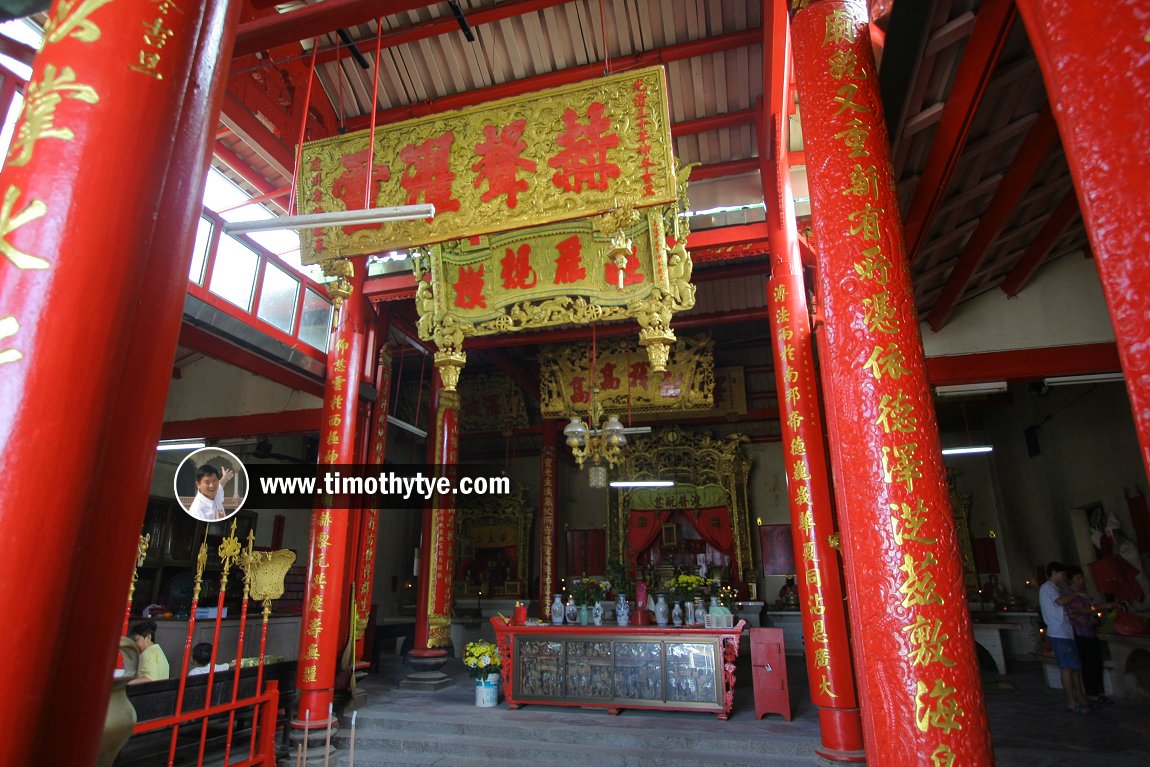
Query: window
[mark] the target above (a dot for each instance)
(277, 298)
(315, 325)
(234, 274)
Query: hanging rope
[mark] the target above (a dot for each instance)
(303, 127)
(399, 385)
(419, 393)
(603, 30)
(374, 105)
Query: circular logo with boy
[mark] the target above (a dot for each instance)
(211, 484)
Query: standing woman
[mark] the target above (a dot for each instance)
(1082, 612)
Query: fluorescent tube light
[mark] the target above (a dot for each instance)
(963, 390)
(648, 483)
(407, 426)
(1083, 379)
(181, 444)
(967, 450)
(334, 218)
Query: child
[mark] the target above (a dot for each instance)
(153, 663)
(201, 657)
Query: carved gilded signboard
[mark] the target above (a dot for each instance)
(614, 266)
(625, 378)
(552, 155)
(492, 403)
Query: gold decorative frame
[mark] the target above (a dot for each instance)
(688, 459)
(693, 366)
(476, 512)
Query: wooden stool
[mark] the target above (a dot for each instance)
(769, 673)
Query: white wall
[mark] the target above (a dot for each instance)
(208, 388)
(1063, 305)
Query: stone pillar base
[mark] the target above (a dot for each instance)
(425, 681)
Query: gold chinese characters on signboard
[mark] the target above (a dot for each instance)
(625, 380)
(553, 155)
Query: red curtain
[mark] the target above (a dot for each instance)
(714, 526)
(643, 527)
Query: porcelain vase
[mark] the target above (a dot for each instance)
(557, 610)
(572, 612)
(597, 614)
(690, 610)
(677, 614)
(487, 691)
(584, 615)
(622, 611)
(662, 612)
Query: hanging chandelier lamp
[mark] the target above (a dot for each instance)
(604, 440)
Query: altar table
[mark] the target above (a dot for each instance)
(616, 667)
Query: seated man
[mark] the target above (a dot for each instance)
(153, 663)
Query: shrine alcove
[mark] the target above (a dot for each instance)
(702, 519)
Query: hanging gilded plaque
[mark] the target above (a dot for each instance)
(552, 155)
(492, 403)
(625, 379)
(624, 264)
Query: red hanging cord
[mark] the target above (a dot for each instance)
(395, 404)
(374, 104)
(303, 126)
(603, 29)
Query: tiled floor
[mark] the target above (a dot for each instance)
(1029, 724)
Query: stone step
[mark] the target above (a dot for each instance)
(626, 732)
(507, 751)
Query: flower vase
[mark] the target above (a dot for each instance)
(557, 611)
(572, 612)
(487, 691)
(700, 612)
(622, 611)
(584, 615)
(597, 614)
(662, 612)
(677, 614)
(690, 610)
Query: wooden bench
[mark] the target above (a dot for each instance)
(156, 700)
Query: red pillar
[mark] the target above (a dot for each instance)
(80, 270)
(828, 654)
(548, 530)
(326, 591)
(918, 675)
(442, 552)
(1093, 61)
(364, 573)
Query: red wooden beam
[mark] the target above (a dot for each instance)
(242, 168)
(259, 424)
(1042, 137)
(442, 25)
(991, 28)
(713, 122)
(215, 347)
(559, 77)
(1023, 364)
(313, 20)
(727, 235)
(390, 287)
(726, 168)
(1020, 275)
(17, 50)
(240, 120)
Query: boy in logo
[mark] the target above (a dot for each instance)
(209, 501)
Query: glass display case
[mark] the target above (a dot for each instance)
(687, 669)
